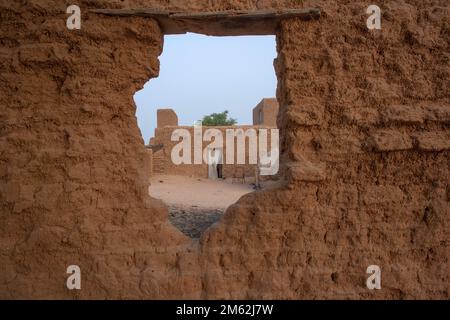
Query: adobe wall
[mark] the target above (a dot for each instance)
(166, 117)
(364, 119)
(266, 112)
(163, 163)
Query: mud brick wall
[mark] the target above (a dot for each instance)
(367, 165)
(73, 164)
(364, 120)
(266, 112)
(166, 117)
(163, 164)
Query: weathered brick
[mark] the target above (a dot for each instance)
(390, 140)
(382, 195)
(48, 196)
(10, 191)
(8, 271)
(437, 113)
(306, 171)
(362, 116)
(79, 171)
(27, 192)
(19, 206)
(42, 52)
(347, 196)
(338, 142)
(403, 114)
(305, 115)
(433, 141)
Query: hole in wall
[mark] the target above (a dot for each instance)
(201, 76)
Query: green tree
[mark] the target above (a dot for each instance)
(218, 119)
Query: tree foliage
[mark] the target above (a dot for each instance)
(218, 119)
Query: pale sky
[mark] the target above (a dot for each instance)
(200, 75)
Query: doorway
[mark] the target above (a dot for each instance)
(215, 163)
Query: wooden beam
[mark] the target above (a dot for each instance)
(221, 23)
(132, 12)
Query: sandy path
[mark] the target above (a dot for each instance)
(195, 204)
(204, 193)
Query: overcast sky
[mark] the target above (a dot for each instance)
(200, 75)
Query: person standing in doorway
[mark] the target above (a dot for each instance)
(219, 163)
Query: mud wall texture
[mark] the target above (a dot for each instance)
(364, 119)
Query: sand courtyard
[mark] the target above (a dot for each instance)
(196, 203)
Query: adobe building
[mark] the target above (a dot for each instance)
(161, 144)
(266, 112)
(364, 123)
(166, 117)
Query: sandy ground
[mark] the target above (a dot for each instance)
(204, 193)
(194, 203)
